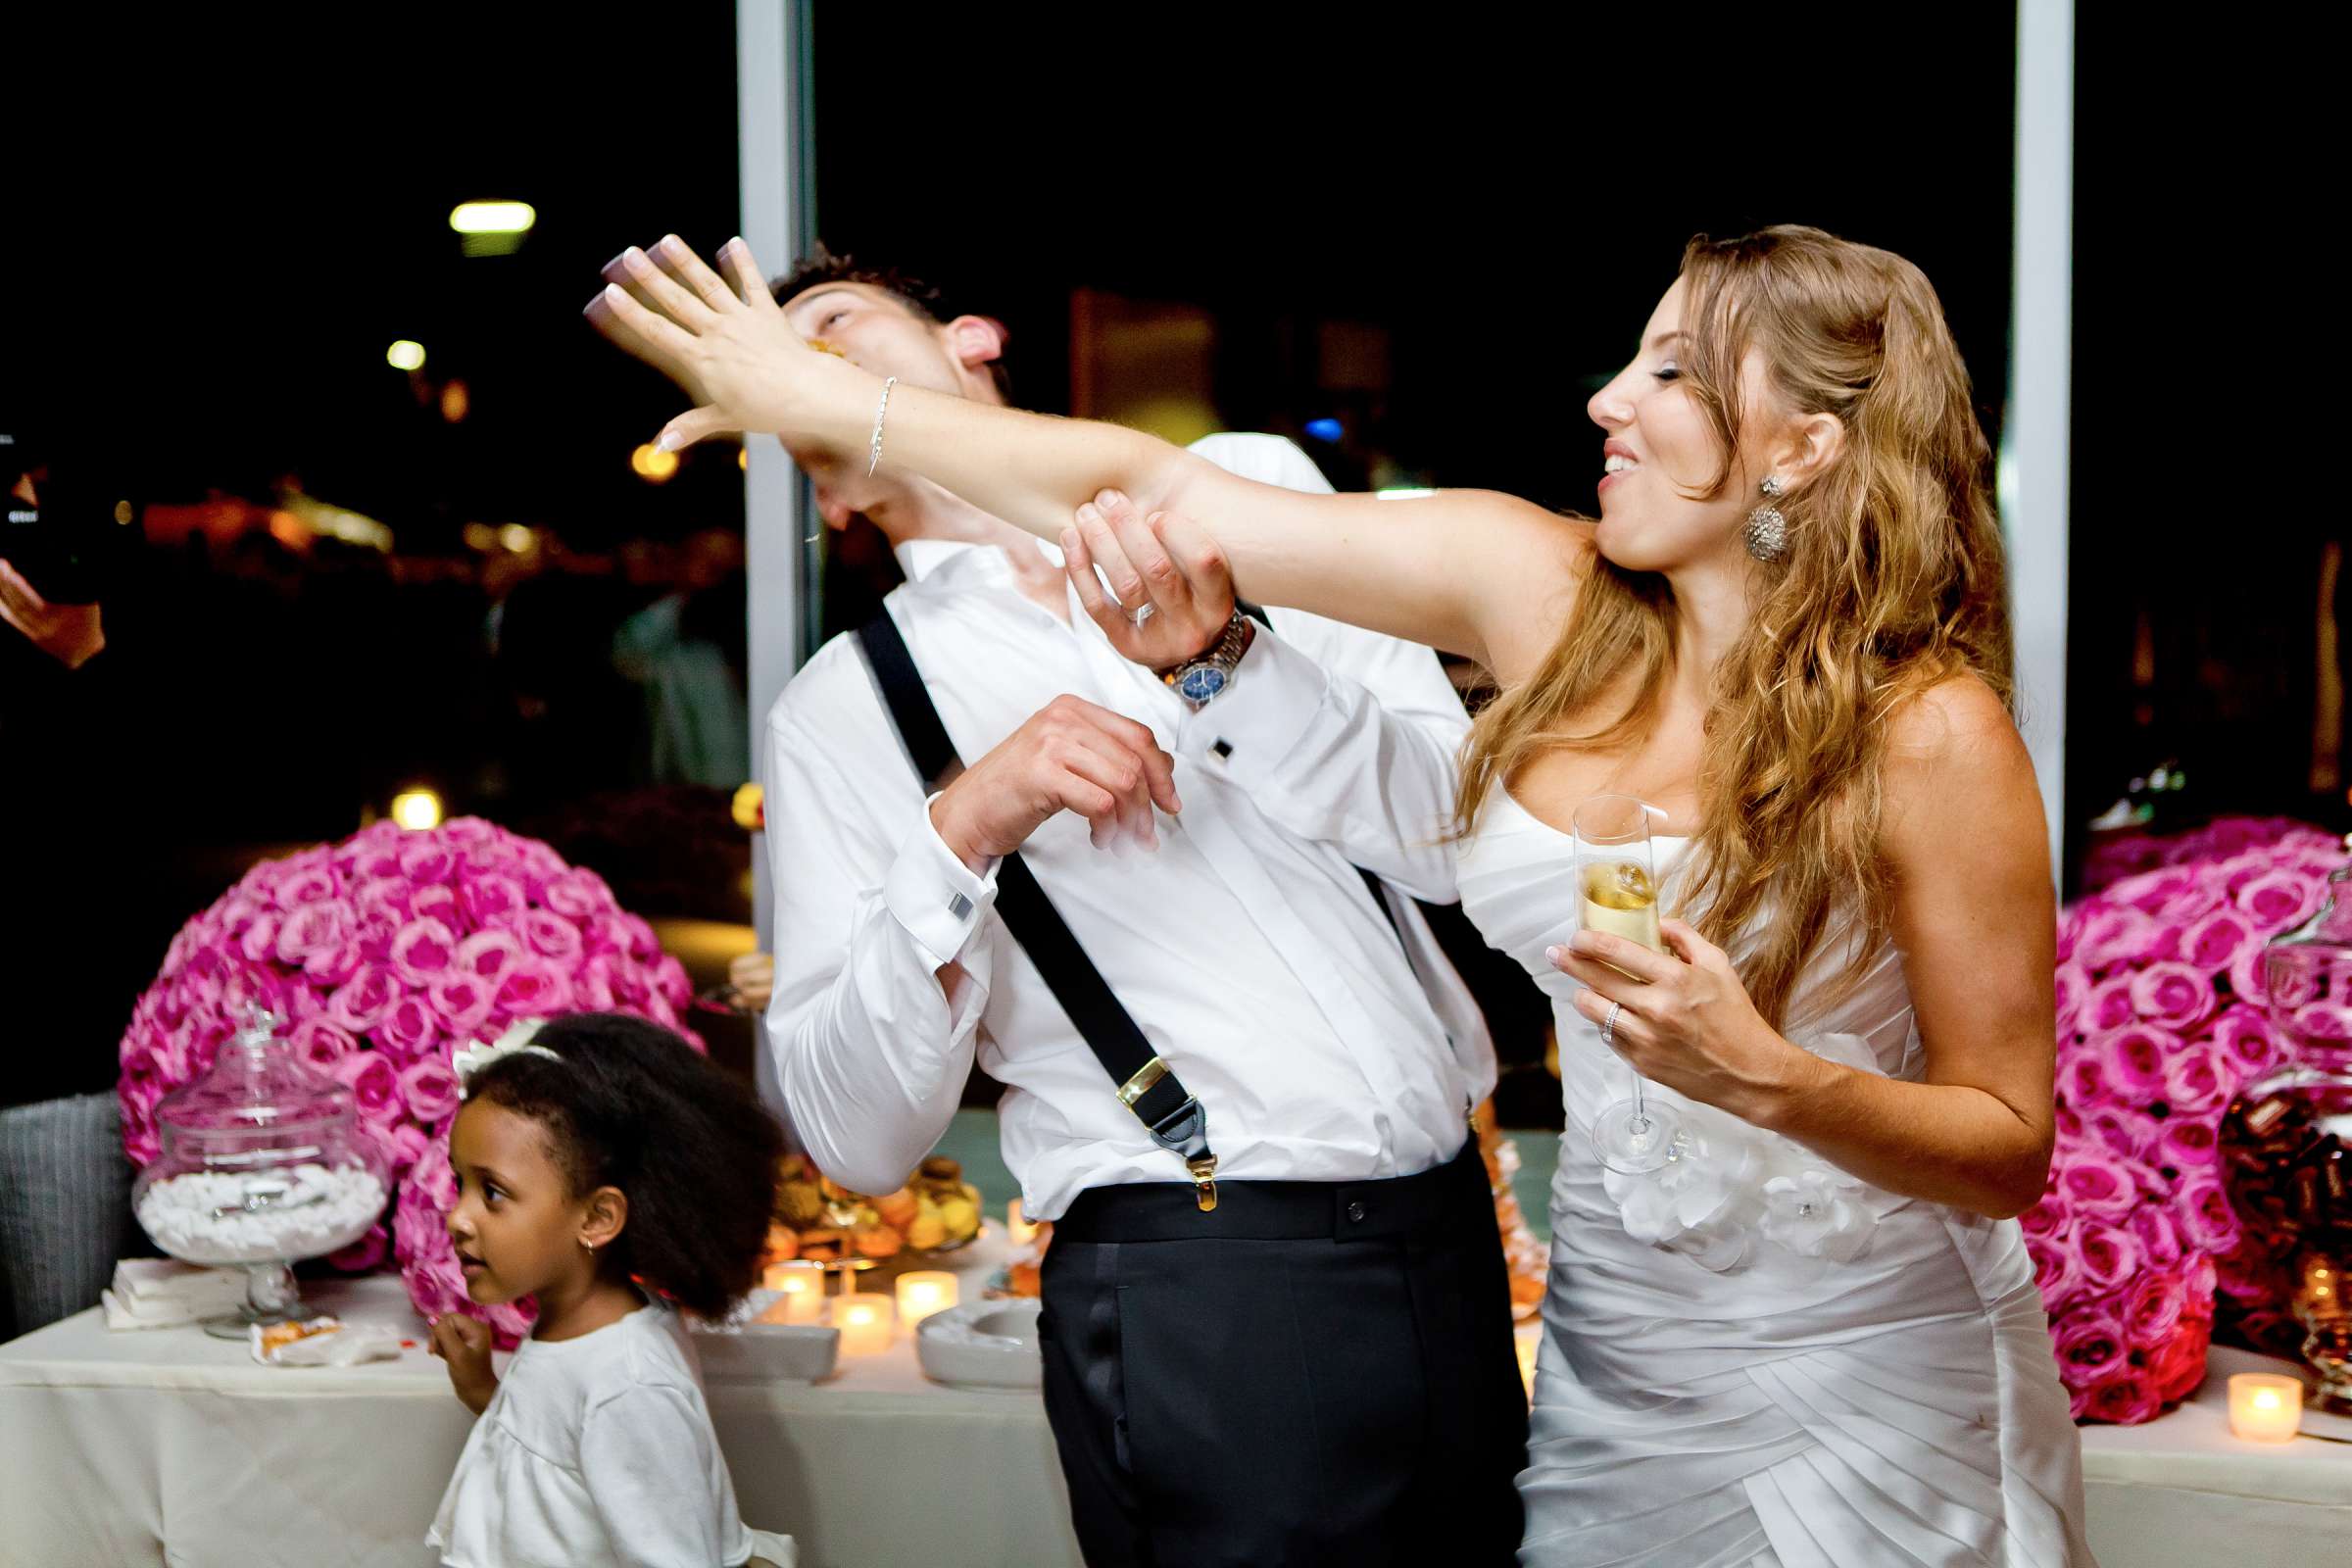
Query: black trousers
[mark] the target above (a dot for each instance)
(1314, 1373)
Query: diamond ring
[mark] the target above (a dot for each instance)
(1608, 1025)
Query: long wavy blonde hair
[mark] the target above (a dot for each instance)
(1892, 581)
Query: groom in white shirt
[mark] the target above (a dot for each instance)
(1319, 1368)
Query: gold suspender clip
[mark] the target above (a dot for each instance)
(1205, 1180)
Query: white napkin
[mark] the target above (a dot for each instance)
(153, 1293)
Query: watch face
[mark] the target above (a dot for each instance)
(1199, 685)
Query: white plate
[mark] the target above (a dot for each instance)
(982, 1344)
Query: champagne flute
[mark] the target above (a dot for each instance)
(1616, 876)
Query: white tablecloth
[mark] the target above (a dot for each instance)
(165, 1447)
(2182, 1492)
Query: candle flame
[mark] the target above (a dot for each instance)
(2266, 1399)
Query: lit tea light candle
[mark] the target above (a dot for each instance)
(2265, 1406)
(801, 1287)
(1529, 1340)
(924, 1293)
(864, 1321)
(1017, 1225)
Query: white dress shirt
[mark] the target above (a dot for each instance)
(1246, 947)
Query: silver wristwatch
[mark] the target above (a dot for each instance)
(1198, 680)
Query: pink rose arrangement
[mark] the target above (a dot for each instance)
(384, 954)
(2160, 1022)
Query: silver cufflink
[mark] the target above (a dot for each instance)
(960, 906)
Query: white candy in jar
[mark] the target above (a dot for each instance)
(336, 1205)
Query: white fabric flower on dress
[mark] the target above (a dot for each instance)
(1737, 1186)
(1815, 1212)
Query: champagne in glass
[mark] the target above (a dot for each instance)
(1621, 900)
(1617, 881)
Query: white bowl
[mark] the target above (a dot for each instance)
(740, 1351)
(982, 1344)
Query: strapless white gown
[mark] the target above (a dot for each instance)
(1755, 1358)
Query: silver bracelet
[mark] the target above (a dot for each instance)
(881, 410)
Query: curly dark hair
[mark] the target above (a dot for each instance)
(634, 1106)
(821, 267)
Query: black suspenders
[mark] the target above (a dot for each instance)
(1147, 1085)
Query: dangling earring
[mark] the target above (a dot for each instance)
(1767, 530)
(585, 1242)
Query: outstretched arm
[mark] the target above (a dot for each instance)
(1469, 571)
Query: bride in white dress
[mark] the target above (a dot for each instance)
(1814, 1340)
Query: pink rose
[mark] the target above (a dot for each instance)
(577, 894)
(670, 980)
(323, 1043)
(2174, 995)
(2152, 1308)
(490, 899)
(2246, 980)
(2109, 1256)
(424, 859)
(259, 942)
(2056, 1272)
(2069, 985)
(2122, 1130)
(2181, 1367)
(332, 966)
(2159, 1237)
(2136, 1057)
(460, 1000)
(306, 886)
(2202, 1208)
(375, 1086)
(532, 988)
(2277, 900)
(386, 899)
(2172, 896)
(439, 902)
(2045, 1218)
(361, 1002)
(2082, 1080)
(430, 1087)
(592, 986)
(2194, 1081)
(424, 950)
(2113, 935)
(410, 1029)
(238, 916)
(487, 954)
(2213, 940)
(2090, 1344)
(311, 928)
(468, 831)
(2187, 1145)
(2124, 1400)
(550, 936)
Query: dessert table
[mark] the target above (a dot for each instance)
(162, 1445)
